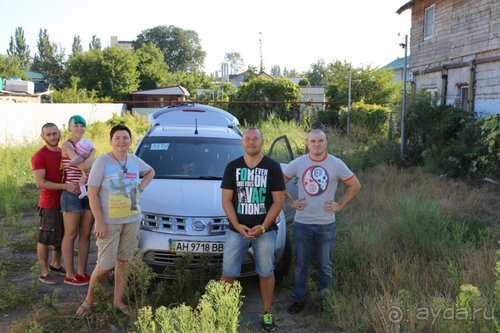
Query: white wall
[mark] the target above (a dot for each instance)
(22, 122)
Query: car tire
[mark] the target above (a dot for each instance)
(283, 266)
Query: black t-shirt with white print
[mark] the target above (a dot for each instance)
(252, 189)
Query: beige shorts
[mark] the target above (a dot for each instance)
(120, 243)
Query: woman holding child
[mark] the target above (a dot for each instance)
(77, 216)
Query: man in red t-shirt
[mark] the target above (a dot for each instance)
(46, 166)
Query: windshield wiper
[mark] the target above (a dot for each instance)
(210, 177)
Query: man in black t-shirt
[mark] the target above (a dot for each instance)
(252, 197)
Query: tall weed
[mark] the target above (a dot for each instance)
(16, 193)
(217, 311)
(410, 239)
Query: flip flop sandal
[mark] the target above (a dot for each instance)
(84, 310)
(122, 309)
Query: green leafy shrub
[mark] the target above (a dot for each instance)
(326, 118)
(366, 120)
(490, 130)
(75, 95)
(217, 312)
(262, 90)
(443, 139)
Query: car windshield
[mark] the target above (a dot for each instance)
(192, 158)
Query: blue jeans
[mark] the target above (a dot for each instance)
(309, 239)
(236, 247)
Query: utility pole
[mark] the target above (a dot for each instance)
(260, 52)
(349, 101)
(403, 106)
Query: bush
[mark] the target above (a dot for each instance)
(326, 118)
(490, 160)
(443, 139)
(374, 119)
(218, 311)
(263, 90)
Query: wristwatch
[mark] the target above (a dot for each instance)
(262, 228)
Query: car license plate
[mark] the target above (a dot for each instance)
(196, 247)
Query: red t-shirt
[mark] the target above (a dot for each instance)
(50, 161)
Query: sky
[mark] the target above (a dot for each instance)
(294, 34)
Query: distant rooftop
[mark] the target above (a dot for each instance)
(176, 90)
(32, 75)
(396, 64)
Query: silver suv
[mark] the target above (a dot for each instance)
(189, 146)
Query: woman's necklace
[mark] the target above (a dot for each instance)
(123, 166)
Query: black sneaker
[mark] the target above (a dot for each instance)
(268, 322)
(296, 307)
(60, 271)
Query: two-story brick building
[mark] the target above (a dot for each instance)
(455, 51)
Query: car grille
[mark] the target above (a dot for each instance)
(185, 225)
(165, 264)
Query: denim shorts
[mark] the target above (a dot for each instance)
(70, 203)
(236, 247)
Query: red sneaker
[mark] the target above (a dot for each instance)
(75, 281)
(84, 278)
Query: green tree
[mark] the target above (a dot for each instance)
(304, 82)
(264, 90)
(181, 48)
(10, 67)
(95, 43)
(152, 69)
(321, 74)
(120, 75)
(276, 70)
(225, 91)
(112, 72)
(250, 73)
(373, 86)
(235, 61)
(19, 48)
(50, 60)
(73, 94)
(76, 47)
(86, 67)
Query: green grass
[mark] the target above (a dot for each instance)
(16, 193)
(411, 240)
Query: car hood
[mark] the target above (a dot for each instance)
(183, 197)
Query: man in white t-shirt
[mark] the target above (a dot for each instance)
(314, 226)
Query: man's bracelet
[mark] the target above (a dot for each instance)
(262, 228)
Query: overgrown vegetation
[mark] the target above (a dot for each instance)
(415, 252)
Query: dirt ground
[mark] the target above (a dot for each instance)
(250, 311)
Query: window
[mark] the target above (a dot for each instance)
(429, 21)
(186, 157)
(463, 94)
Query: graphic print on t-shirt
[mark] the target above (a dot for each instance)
(251, 190)
(315, 180)
(122, 199)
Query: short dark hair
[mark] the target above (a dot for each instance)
(119, 128)
(254, 129)
(47, 125)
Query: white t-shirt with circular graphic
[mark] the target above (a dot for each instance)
(317, 184)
